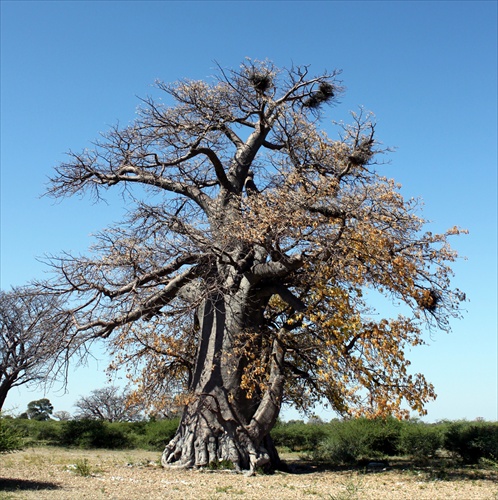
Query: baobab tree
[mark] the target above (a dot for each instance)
(240, 274)
(31, 338)
(108, 403)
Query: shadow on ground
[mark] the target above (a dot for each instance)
(437, 470)
(8, 484)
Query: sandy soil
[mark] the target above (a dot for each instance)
(56, 473)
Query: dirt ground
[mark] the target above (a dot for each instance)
(57, 473)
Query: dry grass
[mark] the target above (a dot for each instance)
(56, 473)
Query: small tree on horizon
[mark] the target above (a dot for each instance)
(238, 280)
(40, 409)
(62, 416)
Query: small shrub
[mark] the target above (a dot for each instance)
(229, 490)
(351, 491)
(82, 468)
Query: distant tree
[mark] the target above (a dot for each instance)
(41, 409)
(108, 403)
(62, 415)
(315, 420)
(239, 276)
(31, 337)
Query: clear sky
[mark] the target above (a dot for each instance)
(428, 70)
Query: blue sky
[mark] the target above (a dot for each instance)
(428, 70)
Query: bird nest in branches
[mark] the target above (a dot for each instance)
(428, 300)
(324, 93)
(260, 81)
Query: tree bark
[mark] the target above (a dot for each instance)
(220, 422)
(5, 387)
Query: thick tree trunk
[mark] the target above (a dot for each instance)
(206, 436)
(220, 423)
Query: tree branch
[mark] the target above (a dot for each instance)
(278, 269)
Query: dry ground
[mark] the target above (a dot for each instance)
(56, 473)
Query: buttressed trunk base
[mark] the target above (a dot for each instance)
(206, 438)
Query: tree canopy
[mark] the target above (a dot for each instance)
(40, 409)
(108, 403)
(238, 279)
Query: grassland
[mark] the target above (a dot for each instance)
(60, 473)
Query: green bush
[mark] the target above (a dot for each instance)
(298, 436)
(133, 432)
(420, 441)
(157, 434)
(352, 440)
(383, 435)
(339, 449)
(94, 434)
(38, 432)
(472, 441)
(82, 468)
(152, 435)
(10, 437)
(48, 431)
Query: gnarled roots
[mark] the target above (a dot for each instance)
(203, 440)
